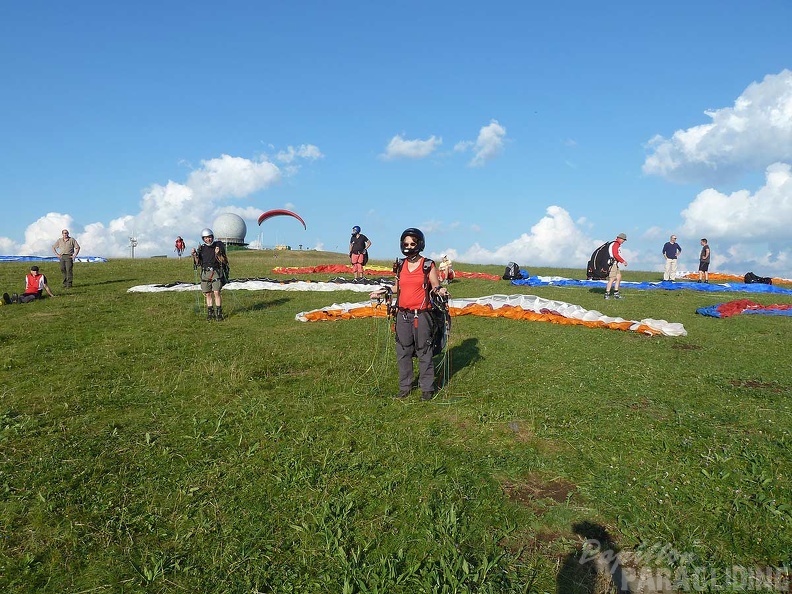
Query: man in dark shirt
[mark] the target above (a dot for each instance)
(671, 251)
(213, 262)
(358, 253)
(704, 262)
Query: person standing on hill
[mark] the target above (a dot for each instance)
(358, 253)
(66, 249)
(179, 249)
(671, 251)
(416, 282)
(211, 258)
(614, 274)
(704, 262)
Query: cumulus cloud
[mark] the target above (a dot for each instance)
(399, 148)
(165, 210)
(762, 216)
(489, 143)
(556, 240)
(750, 229)
(232, 177)
(754, 133)
(40, 235)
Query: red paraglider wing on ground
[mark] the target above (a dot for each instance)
(280, 212)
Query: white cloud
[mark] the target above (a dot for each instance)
(165, 211)
(40, 235)
(304, 151)
(232, 177)
(488, 144)
(753, 133)
(654, 233)
(747, 231)
(556, 240)
(765, 216)
(398, 147)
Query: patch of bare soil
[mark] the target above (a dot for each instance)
(685, 346)
(757, 385)
(533, 489)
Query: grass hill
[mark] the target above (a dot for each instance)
(144, 449)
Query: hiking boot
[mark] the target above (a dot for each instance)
(607, 296)
(617, 296)
(14, 298)
(6, 299)
(427, 395)
(210, 314)
(219, 314)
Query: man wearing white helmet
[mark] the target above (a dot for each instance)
(211, 258)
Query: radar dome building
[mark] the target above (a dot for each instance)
(230, 229)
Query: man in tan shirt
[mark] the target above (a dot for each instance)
(66, 248)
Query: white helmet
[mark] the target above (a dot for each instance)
(207, 232)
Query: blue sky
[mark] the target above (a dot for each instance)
(506, 131)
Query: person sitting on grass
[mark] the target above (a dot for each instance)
(35, 286)
(445, 270)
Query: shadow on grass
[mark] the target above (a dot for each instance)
(597, 290)
(594, 566)
(463, 355)
(261, 305)
(114, 281)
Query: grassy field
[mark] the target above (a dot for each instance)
(144, 449)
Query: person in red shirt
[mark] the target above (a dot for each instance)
(35, 286)
(614, 274)
(179, 249)
(416, 280)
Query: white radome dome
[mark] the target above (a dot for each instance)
(230, 228)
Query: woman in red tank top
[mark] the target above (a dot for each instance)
(416, 278)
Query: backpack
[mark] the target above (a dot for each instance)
(439, 318)
(225, 269)
(600, 262)
(750, 278)
(512, 271)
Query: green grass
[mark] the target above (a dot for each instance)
(143, 449)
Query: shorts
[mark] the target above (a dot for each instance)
(210, 280)
(703, 266)
(613, 271)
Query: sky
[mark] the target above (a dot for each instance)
(506, 131)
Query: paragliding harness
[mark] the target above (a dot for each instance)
(512, 271)
(750, 278)
(600, 263)
(223, 269)
(440, 319)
